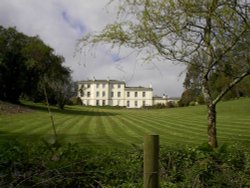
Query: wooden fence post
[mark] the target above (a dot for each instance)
(151, 161)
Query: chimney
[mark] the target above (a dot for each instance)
(164, 96)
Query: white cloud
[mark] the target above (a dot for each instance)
(60, 23)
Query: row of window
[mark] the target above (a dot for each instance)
(112, 86)
(103, 103)
(102, 85)
(136, 94)
(103, 94)
(135, 103)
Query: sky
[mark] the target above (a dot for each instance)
(62, 23)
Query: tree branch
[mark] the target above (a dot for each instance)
(230, 86)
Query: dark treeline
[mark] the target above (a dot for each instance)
(28, 67)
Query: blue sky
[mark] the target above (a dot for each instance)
(74, 23)
(61, 23)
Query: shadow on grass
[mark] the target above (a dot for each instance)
(69, 110)
(84, 140)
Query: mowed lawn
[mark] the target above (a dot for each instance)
(92, 126)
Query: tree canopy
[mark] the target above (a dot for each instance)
(209, 34)
(27, 65)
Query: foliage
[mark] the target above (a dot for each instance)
(75, 101)
(213, 36)
(27, 65)
(50, 165)
(45, 164)
(11, 73)
(187, 97)
(227, 166)
(171, 104)
(219, 79)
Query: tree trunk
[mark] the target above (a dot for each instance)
(211, 129)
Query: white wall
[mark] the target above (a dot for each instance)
(115, 94)
(139, 100)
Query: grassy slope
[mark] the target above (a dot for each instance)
(113, 127)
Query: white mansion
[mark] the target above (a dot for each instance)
(116, 93)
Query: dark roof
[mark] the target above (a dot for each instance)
(101, 81)
(157, 97)
(138, 88)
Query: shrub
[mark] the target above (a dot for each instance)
(75, 101)
(170, 104)
(200, 99)
(54, 165)
(205, 167)
(192, 103)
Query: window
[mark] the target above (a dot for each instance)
(136, 103)
(97, 85)
(143, 94)
(119, 86)
(97, 102)
(88, 86)
(103, 93)
(88, 94)
(81, 93)
(119, 94)
(97, 94)
(136, 94)
(112, 94)
(128, 94)
(103, 85)
(103, 103)
(127, 103)
(143, 103)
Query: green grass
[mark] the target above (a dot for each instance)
(91, 126)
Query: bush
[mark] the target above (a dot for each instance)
(205, 167)
(54, 165)
(75, 101)
(171, 104)
(192, 103)
(200, 99)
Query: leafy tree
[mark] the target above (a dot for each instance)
(58, 80)
(12, 69)
(208, 31)
(187, 97)
(221, 77)
(27, 66)
(37, 60)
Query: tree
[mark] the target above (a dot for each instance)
(192, 85)
(27, 66)
(12, 69)
(57, 80)
(220, 77)
(207, 31)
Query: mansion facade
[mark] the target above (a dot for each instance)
(116, 93)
